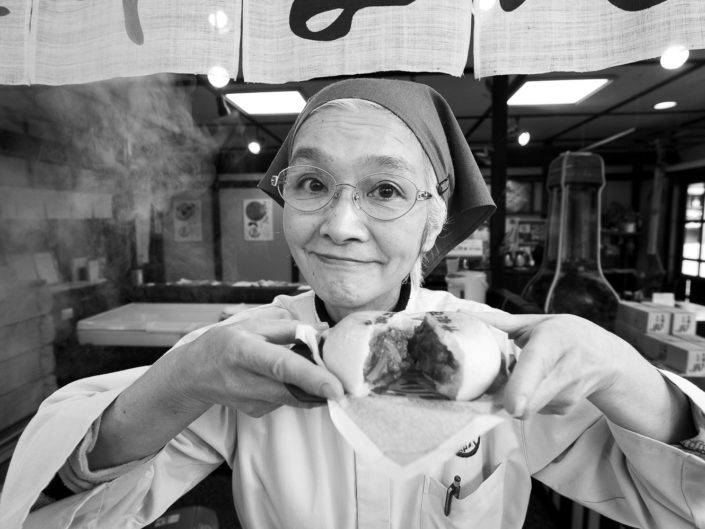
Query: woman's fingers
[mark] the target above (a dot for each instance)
(517, 326)
(279, 363)
(281, 331)
(244, 365)
(564, 360)
(529, 374)
(510, 323)
(257, 395)
(560, 364)
(269, 313)
(529, 388)
(554, 393)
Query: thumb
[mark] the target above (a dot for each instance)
(513, 324)
(278, 331)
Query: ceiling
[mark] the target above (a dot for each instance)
(626, 103)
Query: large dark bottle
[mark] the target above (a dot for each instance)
(570, 278)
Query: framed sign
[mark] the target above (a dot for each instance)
(46, 267)
(257, 219)
(188, 223)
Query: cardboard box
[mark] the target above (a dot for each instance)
(685, 356)
(682, 320)
(693, 338)
(644, 318)
(695, 308)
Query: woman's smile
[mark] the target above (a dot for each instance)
(340, 260)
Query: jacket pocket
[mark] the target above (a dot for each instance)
(482, 507)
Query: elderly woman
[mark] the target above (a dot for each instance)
(367, 177)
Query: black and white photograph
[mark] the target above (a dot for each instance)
(352, 264)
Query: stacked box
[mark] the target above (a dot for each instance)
(694, 339)
(665, 335)
(644, 318)
(631, 335)
(634, 320)
(682, 321)
(684, 356)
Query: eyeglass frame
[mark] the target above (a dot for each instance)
(421, 195)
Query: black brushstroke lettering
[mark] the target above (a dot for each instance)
(510, 5)
(635, 5)
(624, 5)
(133, 26)
(4, 11)
(304, 10)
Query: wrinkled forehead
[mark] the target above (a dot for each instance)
(358, 114)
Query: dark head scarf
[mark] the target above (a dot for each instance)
(431, 119)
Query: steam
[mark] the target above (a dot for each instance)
(138, 138)
(134, 139)
(140, 134)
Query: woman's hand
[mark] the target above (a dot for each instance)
(244, 366)
(566, 359)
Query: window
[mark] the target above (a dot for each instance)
(693, 262)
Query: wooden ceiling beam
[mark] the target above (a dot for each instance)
(639, 95)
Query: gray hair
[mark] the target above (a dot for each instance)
(437, 209)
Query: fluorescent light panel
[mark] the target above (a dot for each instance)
(664, 105)
(268, 103)
(556, 92)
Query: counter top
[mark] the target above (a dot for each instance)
(206, 292)
(152, 324)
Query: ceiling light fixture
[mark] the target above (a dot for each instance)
(254, 147)
(663, 105)
(515, 132)
(268, 103)
(524, 138)
(674, 57)
(218, 77)
(556, 91)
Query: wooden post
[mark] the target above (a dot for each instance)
(498, 183)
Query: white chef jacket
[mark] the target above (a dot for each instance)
(292, 469)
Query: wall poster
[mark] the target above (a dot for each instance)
(257, 219)
(188, 222)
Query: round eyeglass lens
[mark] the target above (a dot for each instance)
(306, 188)
(386, 196)
(382, 196)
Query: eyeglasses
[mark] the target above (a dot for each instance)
(382, 196)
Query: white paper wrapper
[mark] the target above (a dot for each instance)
(409, 434)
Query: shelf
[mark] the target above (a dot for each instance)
(520, 270)
(619, 271)
(75, 285)
(617, 233)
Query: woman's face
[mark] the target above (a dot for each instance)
(352, 261)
